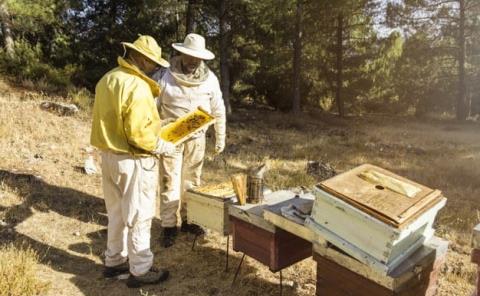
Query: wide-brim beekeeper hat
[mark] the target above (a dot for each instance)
(147, 46)
(194, 45)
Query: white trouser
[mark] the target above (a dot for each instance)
(179, 171)
(130, 189)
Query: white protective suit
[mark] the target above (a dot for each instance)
(182, 170)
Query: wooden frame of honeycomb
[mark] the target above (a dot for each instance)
(184, 127)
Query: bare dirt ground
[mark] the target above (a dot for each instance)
(48, 203)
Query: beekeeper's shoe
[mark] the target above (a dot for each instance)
(113, 271)
(152, 277)
(169, 235)
(191, 228)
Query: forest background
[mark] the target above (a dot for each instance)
(413, 57)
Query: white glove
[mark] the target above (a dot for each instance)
(167, 121)
(219, 144)
(164, 147)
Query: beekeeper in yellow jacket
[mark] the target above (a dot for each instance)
(186, 85)
(125, 128)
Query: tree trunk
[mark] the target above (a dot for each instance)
(297, 59)
(339, 51)
(6, 29)
(224, 67)
(177, 22)
(191, 25)
(462, 111)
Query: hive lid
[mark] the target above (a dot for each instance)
(382, 194)
(222, 190)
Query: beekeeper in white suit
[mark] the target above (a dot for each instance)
(186, 85)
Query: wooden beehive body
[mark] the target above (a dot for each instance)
(262, 240)
(210, 209)
(379, 235)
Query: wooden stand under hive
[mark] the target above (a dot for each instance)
(261, 240)
(339, 274)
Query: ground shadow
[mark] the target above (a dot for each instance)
(44, 197)
(193, 272)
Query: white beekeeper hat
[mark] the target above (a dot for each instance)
(194, 45)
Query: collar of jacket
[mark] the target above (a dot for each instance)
(136, 71)
(198, 77)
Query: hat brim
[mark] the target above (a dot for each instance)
(204, 54)
(159, 61)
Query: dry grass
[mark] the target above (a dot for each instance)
(60, 214)
(18, 272)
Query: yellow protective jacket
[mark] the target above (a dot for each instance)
(125, 116)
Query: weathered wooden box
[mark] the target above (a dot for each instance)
(380, 228)
(339, 274)
(207, 206)
(261, 240)
(277, 250)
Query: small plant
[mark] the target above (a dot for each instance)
(82, 98)
(17, 272)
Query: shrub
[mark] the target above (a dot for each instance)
(17, 272)
(81, 97)
(27, 64)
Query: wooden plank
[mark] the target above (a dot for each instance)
(253, 213)
(273, 215)
(392, 207)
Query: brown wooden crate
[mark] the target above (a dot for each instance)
(251, 240)
(476, 256)
(276, 250)
(333, 279)
(288, 249)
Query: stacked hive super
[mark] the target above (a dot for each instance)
(375, 216)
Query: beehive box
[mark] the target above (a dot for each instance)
(262, 240)
(208, 206)
(379, 221)
(340, 274)
(184, 127)
(277, 250)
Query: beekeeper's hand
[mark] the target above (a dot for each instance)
(219, 145)
(167, 121)
(164, 147)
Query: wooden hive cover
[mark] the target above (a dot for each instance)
(382, 194)
(222, 190)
